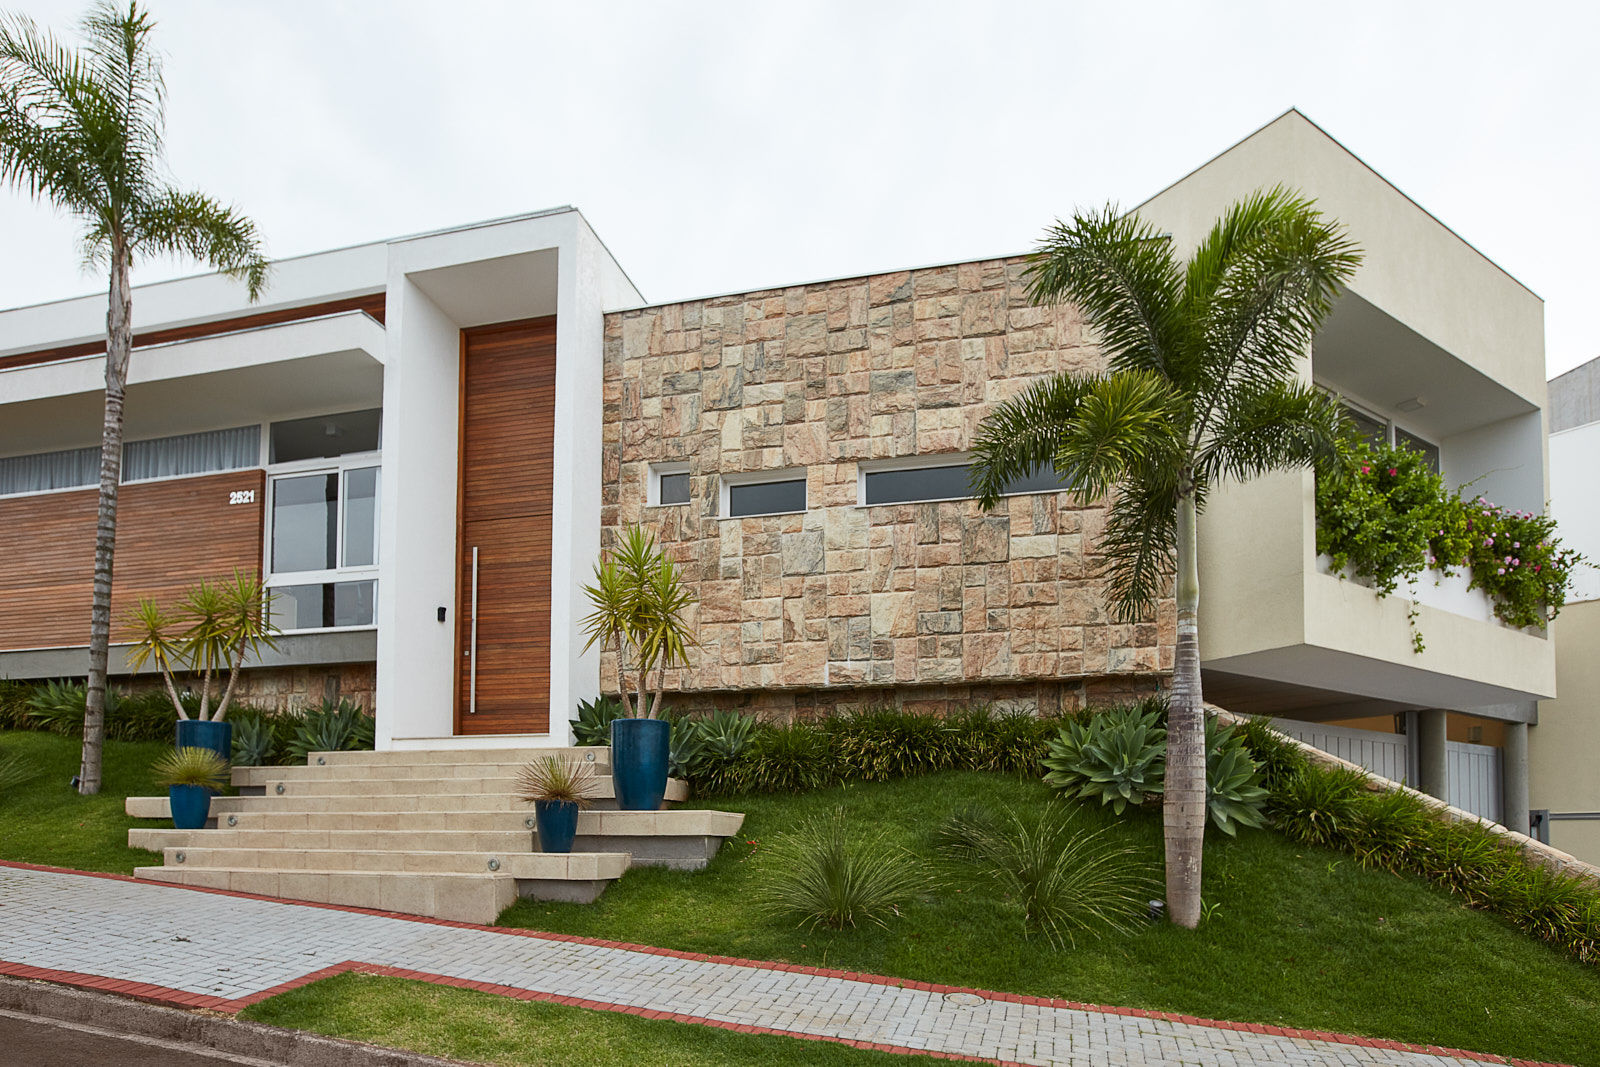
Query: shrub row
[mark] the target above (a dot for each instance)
(260, 735)
(728, 752)
(1397, 832)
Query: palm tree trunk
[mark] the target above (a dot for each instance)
(1185, 800)
(119, 345)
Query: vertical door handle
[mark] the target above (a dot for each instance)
(472, 667)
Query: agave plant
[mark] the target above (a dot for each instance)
(553, 778)
(1119, 756)
(1234, 793)
(191, 766)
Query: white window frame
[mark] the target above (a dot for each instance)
(1390, 424)
(652, 489)
(788, 474)
(339, 465)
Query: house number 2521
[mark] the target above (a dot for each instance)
(242, 496)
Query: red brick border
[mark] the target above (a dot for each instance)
(181, 998)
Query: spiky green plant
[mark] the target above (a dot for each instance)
(639, 607)
(1234, 793)
(1117, 757)
(1203, 383)
(593, 724)
(16, 770)
(1068, 880)
(556, 778)
(1320, 805)
(82, 130)
(824, 874)
(191, 766)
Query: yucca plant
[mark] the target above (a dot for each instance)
(823, 874)
(554, 779)
(210, 632)
(639, 606)
(191, 766)
(1068, 880)
(1118, 757)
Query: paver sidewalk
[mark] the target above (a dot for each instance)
(224, 951)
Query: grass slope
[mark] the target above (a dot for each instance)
(1293, 936)
(46, 821)
(484, 1028)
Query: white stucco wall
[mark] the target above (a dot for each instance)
(1575, 500)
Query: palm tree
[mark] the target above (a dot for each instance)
(82, 130)
(1202, 384)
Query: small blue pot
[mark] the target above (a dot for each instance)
(217, 736)
(639, 749)
(191, 806)
(558, 824)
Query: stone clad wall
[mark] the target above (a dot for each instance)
(939, 601)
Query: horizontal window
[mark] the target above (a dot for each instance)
(68, 469)
(669, 484)
(766, 498)
(192, 453)
(324, 605)
(917, 483)
(326, 436)
(160, 457)
(907, 485)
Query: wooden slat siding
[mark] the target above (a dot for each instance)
(508, 405)
(170, 534)
(372, 305)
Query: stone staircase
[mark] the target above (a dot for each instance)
(434, 833)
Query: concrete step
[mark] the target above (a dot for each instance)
(471, 898)
(524, 865)
(393, 769)
(685, 839)
(422, 757)
(157, 808)
(279, 785)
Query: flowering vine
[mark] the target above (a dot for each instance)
(1384, 514)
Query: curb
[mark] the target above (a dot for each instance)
(119, 1015)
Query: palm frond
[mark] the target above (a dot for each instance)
(1266, 426)
(1023, 434)
(191, 224)
(1273, 267)
(44, 89)
(1120, 272)
(1138, 546)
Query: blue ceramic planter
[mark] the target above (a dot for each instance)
(191, 805)
(558, 824)
(639, 750)
(217, 736)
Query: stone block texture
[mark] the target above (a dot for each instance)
(898, 600)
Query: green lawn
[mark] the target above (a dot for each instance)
(46, 821)
(1295, 936)
(484, 1028)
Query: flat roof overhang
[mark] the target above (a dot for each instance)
(328, 364)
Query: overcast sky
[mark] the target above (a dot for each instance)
(725, 147)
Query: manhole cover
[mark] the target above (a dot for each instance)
(965, 1000)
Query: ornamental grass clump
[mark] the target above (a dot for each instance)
(1066, 879)
(16, 771)
(1320, 805)
(191, 766)
(880, 744)
(826, 874)
(556, 780)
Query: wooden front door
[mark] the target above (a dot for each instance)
(508, 404)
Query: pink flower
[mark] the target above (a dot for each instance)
(1392, 472)
(1536, 568)
(1516, 544)
(1366, 470)
(1516, 562)
(1502, 570)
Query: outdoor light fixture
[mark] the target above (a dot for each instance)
(1416, 403)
